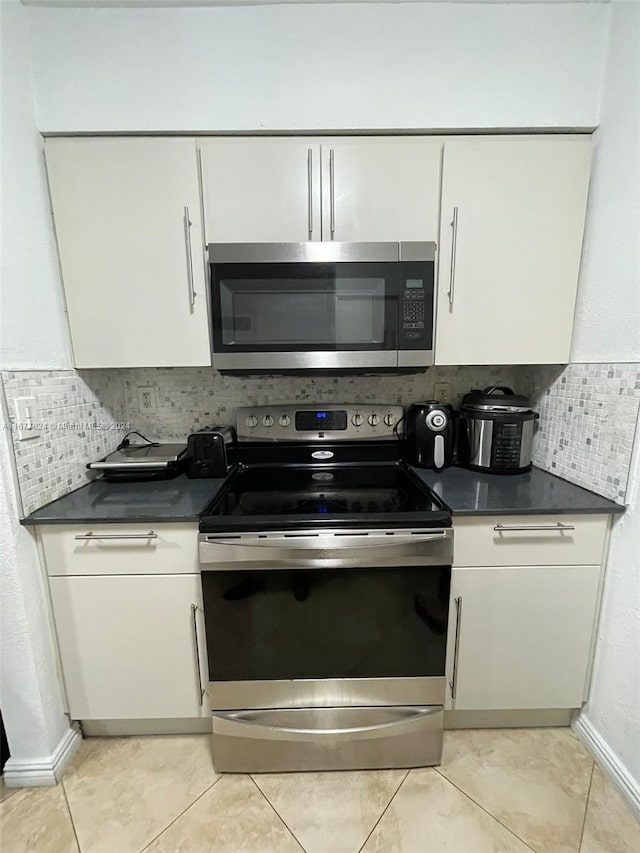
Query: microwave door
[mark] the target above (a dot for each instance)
(304, 314)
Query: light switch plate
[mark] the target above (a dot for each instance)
(27, 418)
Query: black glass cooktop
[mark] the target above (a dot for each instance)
(299, 496)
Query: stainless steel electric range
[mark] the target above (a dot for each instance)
(326, 567)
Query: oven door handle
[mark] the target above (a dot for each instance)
(250, 724)
(323, 551)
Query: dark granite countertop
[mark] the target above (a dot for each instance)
(179, 499)
(464, 492)
(535, 492)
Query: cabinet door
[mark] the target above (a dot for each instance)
(133, 270)
(507, 282)
(381, 189)
(128, 645)
(261, 190)
(524, 636)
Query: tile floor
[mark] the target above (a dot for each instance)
(500, 791)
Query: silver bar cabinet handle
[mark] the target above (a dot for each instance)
(332, 192)
(453, 684)
(187, 240)
(310, 191)
(194, 622)
(96, 536)
(454, 250)
(558, 526)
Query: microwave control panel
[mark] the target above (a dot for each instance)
(413, 315)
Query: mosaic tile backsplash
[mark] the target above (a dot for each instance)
(588, 413)
(77, 423)
(190, 398)
(588, 417)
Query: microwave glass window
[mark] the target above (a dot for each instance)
(324, 311)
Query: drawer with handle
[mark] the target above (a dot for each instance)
(120, 549)
(530, 540)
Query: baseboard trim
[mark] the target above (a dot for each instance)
(519, 719)
(608, 761)
(127, 728)
(35, 772)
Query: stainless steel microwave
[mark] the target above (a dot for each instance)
(321, 306)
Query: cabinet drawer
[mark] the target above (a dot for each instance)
(121, 549)
(529, 540)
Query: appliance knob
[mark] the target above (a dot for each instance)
(357, 419)
(284, 420)
(389, 419)
(268, 421)
(252, 421)
(436, 420)
(373, 419)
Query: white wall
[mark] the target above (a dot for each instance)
(608, 308)
(613, 709)
(33, 329)
(434, 65)
(30, 695)
(608, 328)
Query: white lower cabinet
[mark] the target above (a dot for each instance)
(524, 636)
(131, 646)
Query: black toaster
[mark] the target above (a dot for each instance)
(207, 455)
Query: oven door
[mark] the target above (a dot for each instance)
(293, 306)
(353, 622)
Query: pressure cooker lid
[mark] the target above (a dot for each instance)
(495, 398)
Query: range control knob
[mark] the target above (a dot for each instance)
(251, 421)
(284, 420)
(357, 419)
(389, 419)
(268, 421)
(373, 419)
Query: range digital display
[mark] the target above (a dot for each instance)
(312, 420)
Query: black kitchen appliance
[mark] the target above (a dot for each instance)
(138, 462)
(430, 434)
(496, 431)
(207, 452)
(326, 569)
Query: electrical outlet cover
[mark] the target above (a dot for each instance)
(147, 399)
(441, 391)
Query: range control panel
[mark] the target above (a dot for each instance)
(317, 423)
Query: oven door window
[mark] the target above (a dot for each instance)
(281, 307)
(326, 623)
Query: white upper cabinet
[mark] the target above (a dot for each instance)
(513, 211)
(261, 190)
(380, 189)
(127, 214)
(293, 190)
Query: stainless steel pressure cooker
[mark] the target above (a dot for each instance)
(496, 431)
